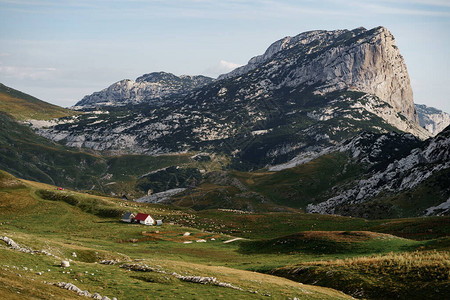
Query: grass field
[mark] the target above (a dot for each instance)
(40, 217)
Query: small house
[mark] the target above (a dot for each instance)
(144, 219)
(128, 217)
(158, 222)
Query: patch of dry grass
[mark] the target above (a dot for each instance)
(408, 275)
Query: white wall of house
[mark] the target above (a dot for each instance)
(148, 221)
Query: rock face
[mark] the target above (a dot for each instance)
(367, 61)
(432, 119)
(303, 94)
(147, 88)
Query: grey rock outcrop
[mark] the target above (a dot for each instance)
(147, 88)
(432, 119)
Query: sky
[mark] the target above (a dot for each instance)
(60, 50)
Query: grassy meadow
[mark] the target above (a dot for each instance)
(87, 229)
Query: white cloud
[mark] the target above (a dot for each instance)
(23, 73)
(221, 68)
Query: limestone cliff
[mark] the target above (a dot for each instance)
(363, 60)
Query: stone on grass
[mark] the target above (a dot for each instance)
(65, 264)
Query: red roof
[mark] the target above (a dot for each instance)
(141, 217)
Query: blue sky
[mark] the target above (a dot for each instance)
(60, 50)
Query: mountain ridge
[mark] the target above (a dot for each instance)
(405, 173)
(432, 119)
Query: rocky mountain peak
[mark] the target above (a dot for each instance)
(358, 59)
(158, 77)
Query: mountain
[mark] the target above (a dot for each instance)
(147, 88)
(432, 119)
(305, 93)
(23, 106)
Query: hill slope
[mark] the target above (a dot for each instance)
(372, 176)
(155, 259)
(23, 106)
(29, 156)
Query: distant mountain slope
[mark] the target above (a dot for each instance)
(310, 183)
(413, 185)
(320, 88)
(23, 106)
(147, 88)
(432, 119)
(29, 156)
(373, 176)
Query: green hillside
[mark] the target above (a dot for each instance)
(63, 229)
(87, 229)
(23, 106)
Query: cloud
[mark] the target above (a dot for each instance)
(23, 73)
(221, 68)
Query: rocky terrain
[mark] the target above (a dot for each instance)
(148, 88)
(432, 119)
(429, 161)
(304, 94)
